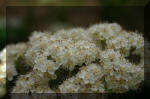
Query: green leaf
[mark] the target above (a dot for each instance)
(133, 58)
(21, 66)
(63, 74)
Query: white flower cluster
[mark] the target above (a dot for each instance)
(33, 83)
(48, 53)
(2, 72)
(103, 54)
(13, 53)
(116, 38)
(120, 74)
(89, 79)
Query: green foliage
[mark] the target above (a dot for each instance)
(63, 74)
(133, 58)
(103, 44)
(50, 58)
(21, 66)
(75, 70)
(105, 86)
(99, 40)
(96, 61)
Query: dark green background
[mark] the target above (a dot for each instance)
(22, 21)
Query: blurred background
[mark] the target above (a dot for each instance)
(22, 21)
(81, 2)
(2, 27)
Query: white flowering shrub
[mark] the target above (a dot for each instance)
(13, 53)
(2, 72)
(101, 59)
